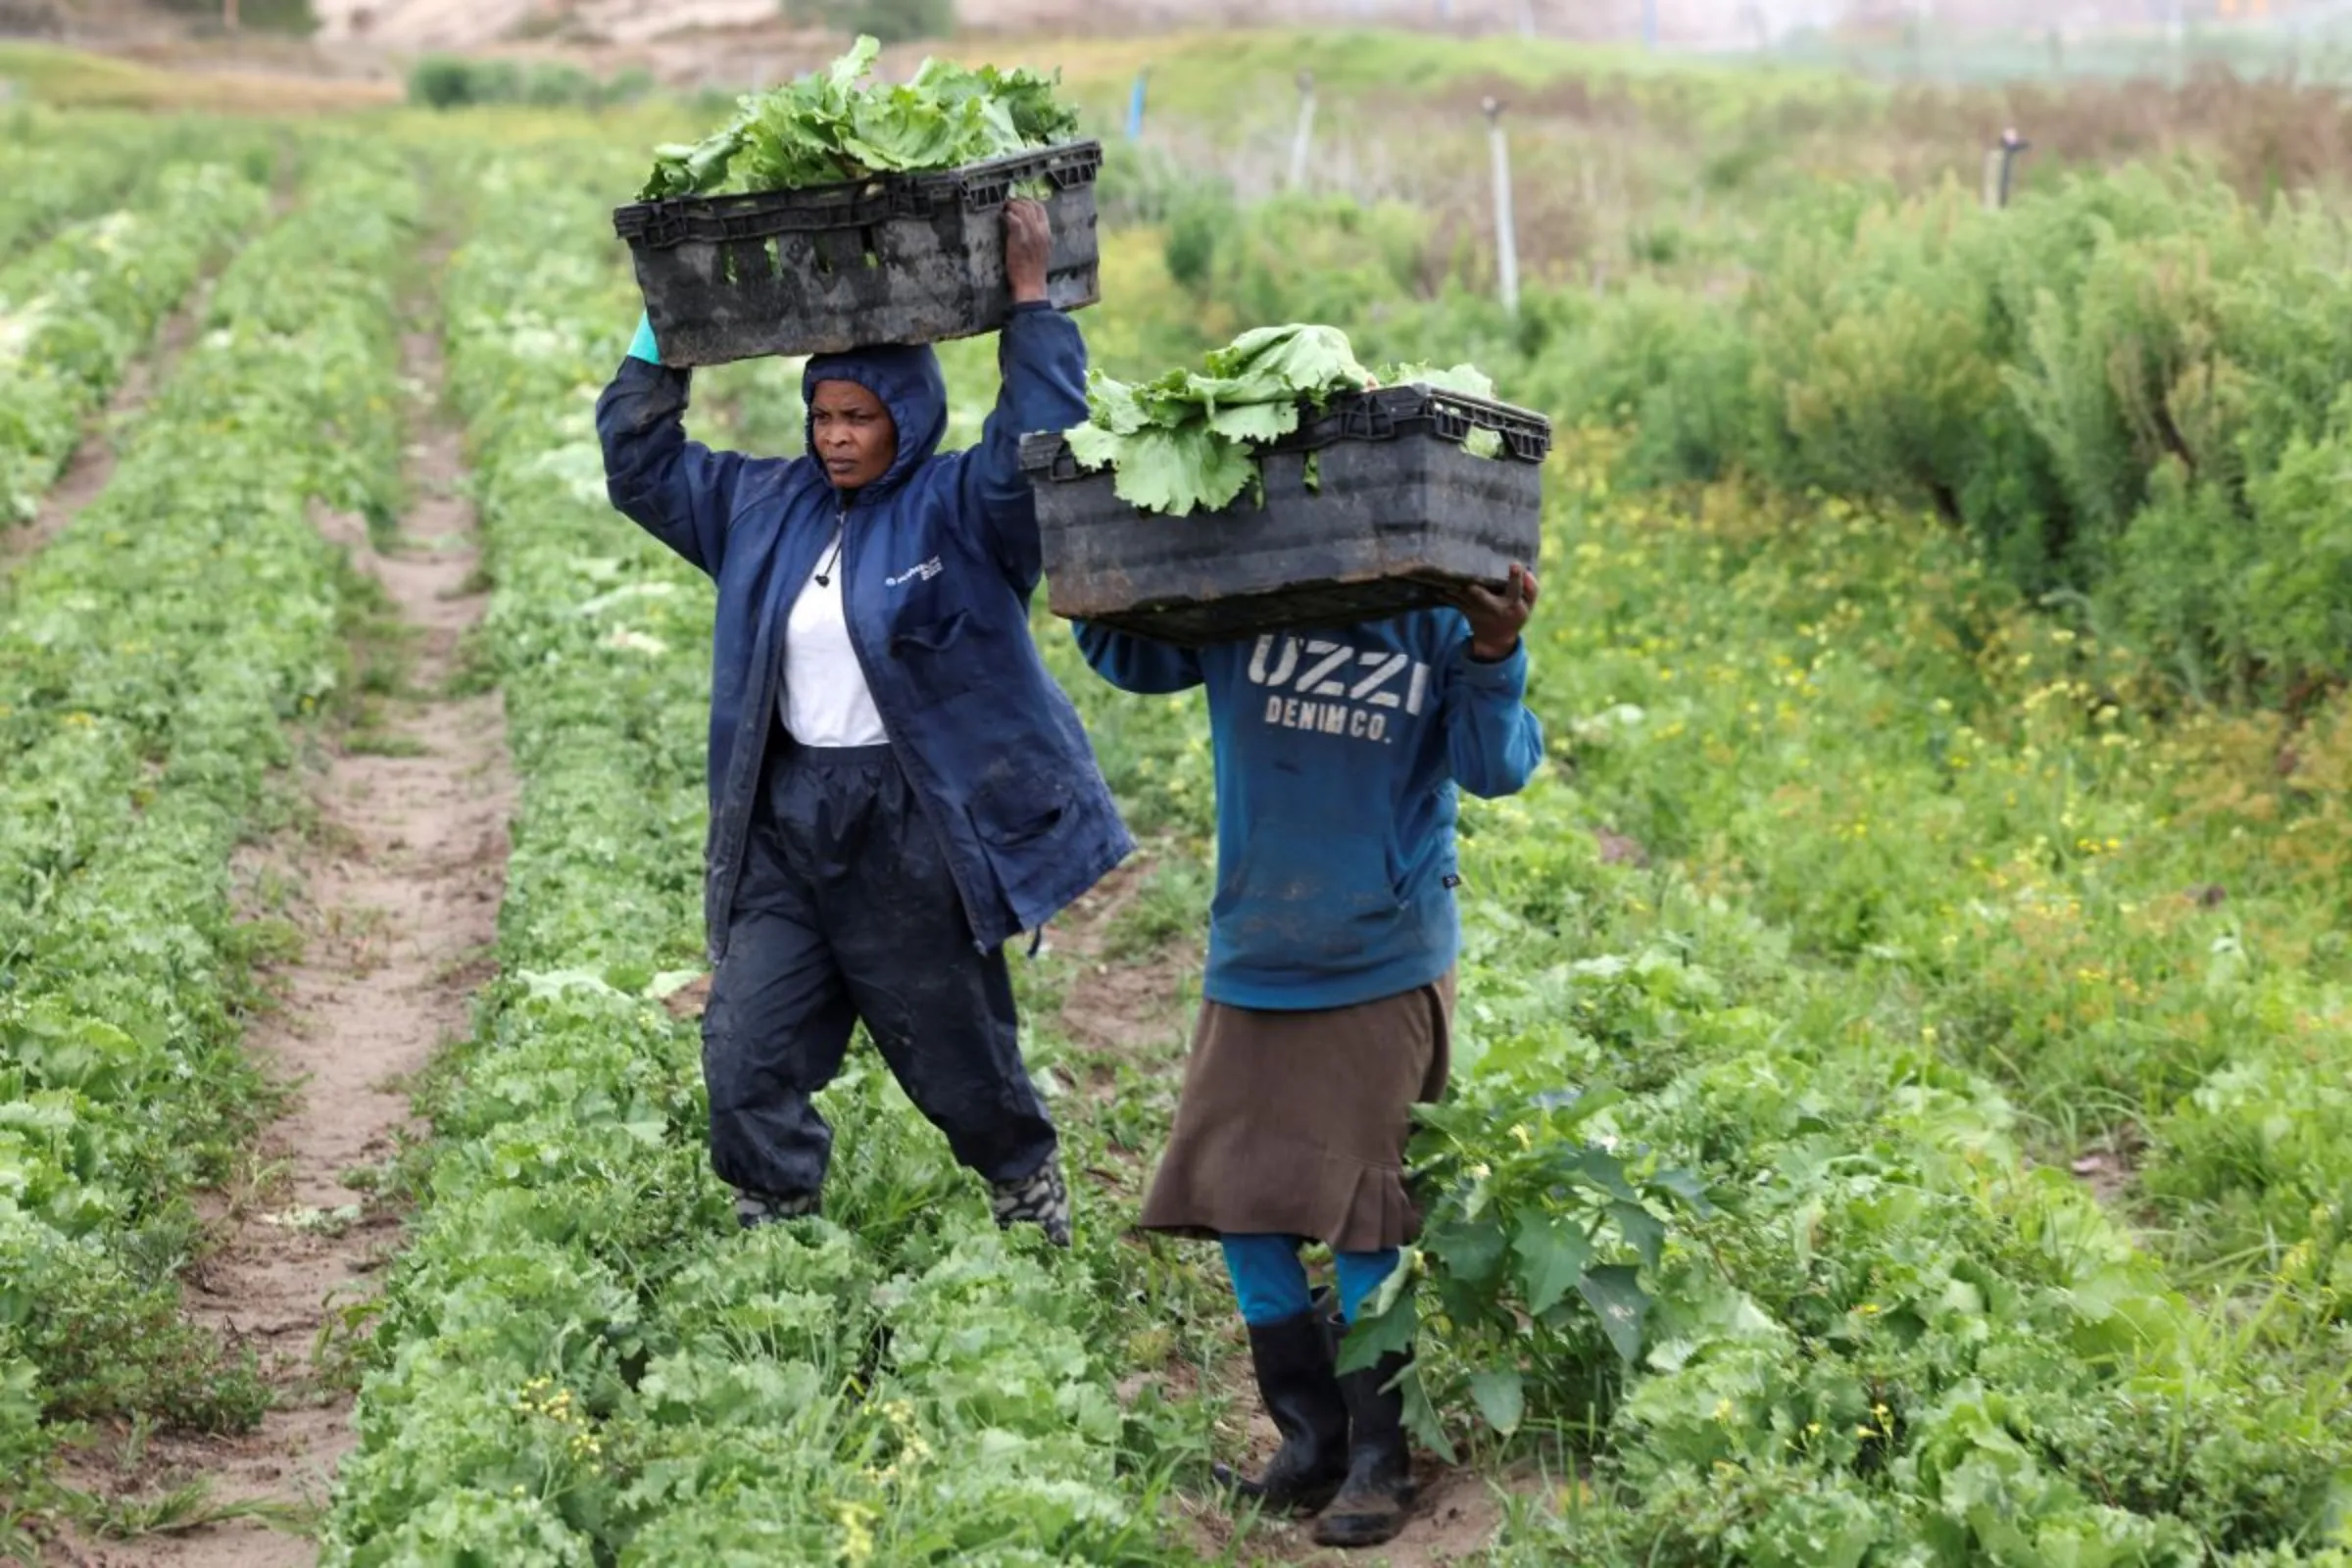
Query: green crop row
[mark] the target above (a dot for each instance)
(151, 658)
(76, 312)
(580, 1359)
(59, 167)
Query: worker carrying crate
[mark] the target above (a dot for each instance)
(898, 786)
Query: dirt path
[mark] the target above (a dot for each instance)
(396, 887)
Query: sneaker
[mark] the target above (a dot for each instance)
(1041, 1200)
(754, 1210)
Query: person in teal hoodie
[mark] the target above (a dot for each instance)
(1328, 997)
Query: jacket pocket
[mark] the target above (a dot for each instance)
(1017, 804)
(946, 658)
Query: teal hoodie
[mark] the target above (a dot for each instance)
(1339, 755)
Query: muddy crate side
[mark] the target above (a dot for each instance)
(904, 260)
(1355, 532)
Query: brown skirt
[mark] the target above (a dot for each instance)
(1295, 1124)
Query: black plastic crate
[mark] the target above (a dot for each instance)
(897, 258)
(1399, 515)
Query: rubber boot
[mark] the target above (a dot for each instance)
(755, 1209)
(1377, 1496)
(1294, 1360)
(1041, 1199)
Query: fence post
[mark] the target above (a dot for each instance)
(1134, 106)
(1526, 19)
(2000, 165)
(2012, 146)
(1506, 236)
(1304, 138)
(1649, 25)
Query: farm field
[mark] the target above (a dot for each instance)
(1901, 1094)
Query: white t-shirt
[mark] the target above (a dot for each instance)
(825, 700)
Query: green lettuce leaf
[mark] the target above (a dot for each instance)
(1176, 471)
(834, 126)
(1254, 421)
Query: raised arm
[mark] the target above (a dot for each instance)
(1493, 744)
(679, 491)
(1041, 362)
(1137, 664)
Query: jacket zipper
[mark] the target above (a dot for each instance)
(849, 621)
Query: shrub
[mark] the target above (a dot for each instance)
(2125, 389)
(443, 82)
(1314, 258)
(891, 20)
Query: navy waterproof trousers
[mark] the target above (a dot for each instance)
(846, 911)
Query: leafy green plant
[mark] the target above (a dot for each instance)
(830, 126)
(1533, 1256)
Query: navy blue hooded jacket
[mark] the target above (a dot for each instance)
(939, 559)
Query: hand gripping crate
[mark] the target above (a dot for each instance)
(895, 259)
(1398, 513)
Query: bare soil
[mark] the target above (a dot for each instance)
(1127, 1008)
(1453, 1522)
(396, 887)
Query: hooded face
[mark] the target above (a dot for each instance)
(851, 434)
(874, 414)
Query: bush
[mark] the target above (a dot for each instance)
(2127, 389)
(891, 20)
(1144, 184)
(443, 82)
(262, 16)
(1198, 224)
(1301, 257)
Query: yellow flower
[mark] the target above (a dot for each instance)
(857, 1533)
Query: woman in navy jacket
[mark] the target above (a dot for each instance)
(898, 786)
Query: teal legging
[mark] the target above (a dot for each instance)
(1272, 1282)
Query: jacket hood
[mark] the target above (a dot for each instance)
(909, 382)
